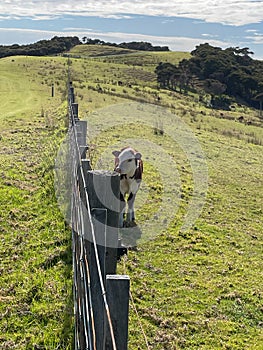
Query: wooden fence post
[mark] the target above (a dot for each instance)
(118, 288)
(104, 188)
(71, 94)
(81, 130)
(75, 110)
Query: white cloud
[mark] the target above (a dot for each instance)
(234, 12)
(254, 37)
(43, 17)
(206, 35)
(257, 39)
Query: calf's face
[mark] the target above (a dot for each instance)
(126, 161)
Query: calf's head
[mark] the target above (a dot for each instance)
(126, 160)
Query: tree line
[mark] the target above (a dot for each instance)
(133, 45)
(53, 46)
(227, 75)
(59, 45)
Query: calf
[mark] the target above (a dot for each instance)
(129, 165)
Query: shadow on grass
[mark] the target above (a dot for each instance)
(130, 235)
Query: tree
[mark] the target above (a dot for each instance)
(219, 72)
(165, 74)
(231, 69)
(215, 88)
(185, 77)
(259, 98)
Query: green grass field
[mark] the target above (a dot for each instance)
(36, 306)
(198, 288)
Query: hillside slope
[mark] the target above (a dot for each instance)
(127, 56)
(35, 271)
(194, 288)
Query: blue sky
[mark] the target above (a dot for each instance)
(181, 25)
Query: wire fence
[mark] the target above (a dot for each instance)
(101, 298)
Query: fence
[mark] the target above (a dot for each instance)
(101, 298)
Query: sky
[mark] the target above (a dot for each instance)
(180, 25)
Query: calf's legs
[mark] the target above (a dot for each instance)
(122, 209)
(130, 213)
(130, 216)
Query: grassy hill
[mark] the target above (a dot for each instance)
(147, 60)
(97, 50)
(139, 57)
(198, 288)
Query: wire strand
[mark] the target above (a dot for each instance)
(79, 160)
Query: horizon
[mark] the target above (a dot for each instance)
(105, 43)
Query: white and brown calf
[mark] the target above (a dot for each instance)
(129, 165)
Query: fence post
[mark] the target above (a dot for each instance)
(104, 188)
(81, 129)
(71, 95)
(118, 289)
(75, 110)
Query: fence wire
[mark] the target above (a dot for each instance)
(85, 337)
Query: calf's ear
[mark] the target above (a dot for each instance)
(138, 155)
(116, 153)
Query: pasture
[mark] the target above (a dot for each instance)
(194, 288)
